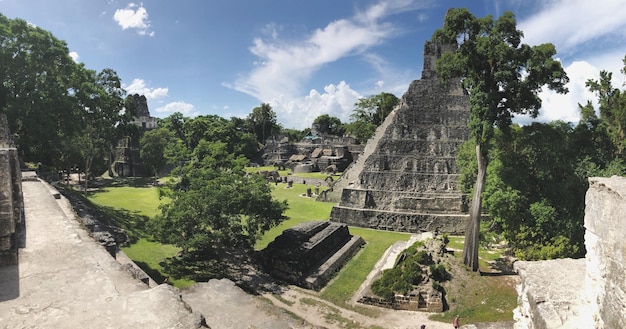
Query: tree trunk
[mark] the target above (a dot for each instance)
(472, 228)
(88, 162)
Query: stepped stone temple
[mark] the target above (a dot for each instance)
(406, 178)
(127, 156)
(309, 253)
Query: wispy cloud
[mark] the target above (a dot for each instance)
(569, 24)
(138, 86)
(283, 67)
(185, 108)
(134, 17)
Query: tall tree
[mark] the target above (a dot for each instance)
(38, 82)
(262, 122)
(612, 108)
(503, 77)
(152, 152)
(100, 97)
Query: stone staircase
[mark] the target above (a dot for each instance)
(406, 178)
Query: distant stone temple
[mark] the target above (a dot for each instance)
(406, 178)
(127, 156)
(143, 119)
(309, 253)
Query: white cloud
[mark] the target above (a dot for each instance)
(571, 23)
(138, 86)
(134, 17)
(565, 106)
(590, 36)
(74, 56)
(185, 108)
(336, 100)
(282, 68)
(399, 80)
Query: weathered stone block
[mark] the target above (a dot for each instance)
(605, 223)
(301, 254)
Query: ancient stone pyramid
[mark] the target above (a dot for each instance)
(406, 178)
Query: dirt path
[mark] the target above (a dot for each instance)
(307, 304)
(310, 307)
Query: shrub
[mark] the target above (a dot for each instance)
(439, 273)
(424, 257)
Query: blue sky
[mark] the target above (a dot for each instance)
(306, 58)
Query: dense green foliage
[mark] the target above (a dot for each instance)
(152, 151)
(215, 207)
(369, 113)
(502, 77)
(330, 125)
(262, 122)
(537, 178)
(61, 114)
(409, 272)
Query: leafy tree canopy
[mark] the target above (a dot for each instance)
(330, 125)
(369, 113)
(262, 122)
(503, 77)
(215, 205)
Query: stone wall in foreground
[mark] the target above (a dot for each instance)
(605, 240)
(582, 293)
(12, 226)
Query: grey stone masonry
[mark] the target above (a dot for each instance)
(12, 226)
(605, 224)
(309, 253)
(406, 179)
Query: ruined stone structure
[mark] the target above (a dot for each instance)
(406, 178)
(309, 253)
(12, 224)
(417, 300)
(143, 119)
(314, 153)
(582, 293)
(127, 156)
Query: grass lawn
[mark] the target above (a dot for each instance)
(143, 201)
(348, 280)
(476, 298)
(140, 200)
(301, 209)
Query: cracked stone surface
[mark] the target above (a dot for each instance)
(64, 279)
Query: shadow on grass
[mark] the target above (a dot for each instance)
(137, 182)
(152, 273)
(132, 224)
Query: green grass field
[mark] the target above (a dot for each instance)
(483, 294)
(140, 200)
(301, 209)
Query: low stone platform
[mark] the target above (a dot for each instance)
(309, 253)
